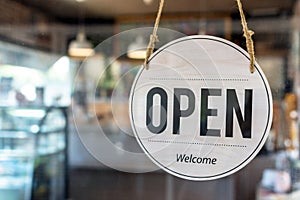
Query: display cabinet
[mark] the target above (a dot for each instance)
(33, 153)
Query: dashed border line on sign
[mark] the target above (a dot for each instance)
(199, 79)
(197, 143)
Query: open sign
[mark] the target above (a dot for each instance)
(232, 104)
(198, 112)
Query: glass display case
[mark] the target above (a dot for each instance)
(33, 153)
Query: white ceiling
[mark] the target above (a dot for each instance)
(117, 8)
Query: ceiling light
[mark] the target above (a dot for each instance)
(147, 2)
(81, 47)
(137, 49)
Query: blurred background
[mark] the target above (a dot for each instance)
(66, 69)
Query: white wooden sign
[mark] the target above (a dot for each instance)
(198, 112)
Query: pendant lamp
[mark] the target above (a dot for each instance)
(137, 49)
(81, 47)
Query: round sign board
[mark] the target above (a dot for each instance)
(198, 112)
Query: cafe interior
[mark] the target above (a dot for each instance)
(67, 68)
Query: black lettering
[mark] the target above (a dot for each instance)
(199, 160)
(233, 104)
(205, 112)
(214, 160)
(193, 159)
(163, 110)
(186, 159)
(180, 157)
(177, 112)
(206, 160)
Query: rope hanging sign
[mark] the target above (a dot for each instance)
(247, 34)
(195, 109)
